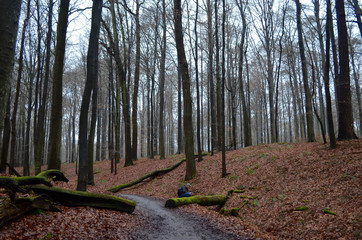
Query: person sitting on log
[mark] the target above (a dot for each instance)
(183, 191)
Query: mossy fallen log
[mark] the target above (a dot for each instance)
(15, 184)
(201, 200)
(148, 175)
(77, 198)
(11, 211)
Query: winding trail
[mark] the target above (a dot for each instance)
(166, 223)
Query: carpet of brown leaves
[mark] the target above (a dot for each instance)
(278, 180)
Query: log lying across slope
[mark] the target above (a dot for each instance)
(148, 175)
(201, 200)
(77, 198)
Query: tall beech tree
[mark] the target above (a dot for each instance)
(122, 81)
(39, 134)
(266, 34)
(18, 84)
(162, 82)
(56, 119)
(6, 138)
(198, 130)
(345, 116)
(222, 92)
(332, 137)
(308, 96)
(245, 112)
(134, 146)
(90, 85)
(210, 45)
(136, 81)
(9, 19)
(187, 117)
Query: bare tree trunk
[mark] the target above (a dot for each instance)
(210, 75)
(180, 147)
(136, 84)
(182, 62)
(40, 133)
(6, 138)
(332, 137)
(103, 129)
(26, 165)
(85, 160)
(357, 86)
(90, 150)
(152, 102)
(345, 116)
(323, 55)
(99, 125)
(223, 164)
(9, 18)
(55, 135)
(18, 83)
(245, 117)
(198, 130)
(73, 157)
(111, 114)
(277, 139)
(162, 83)
(218, 78)
(308, 97)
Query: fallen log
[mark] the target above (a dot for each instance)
(201, 200)
(14, 184)
(148, 175)
(11, 211)
(77, 198)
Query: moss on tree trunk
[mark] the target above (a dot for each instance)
(79, 198)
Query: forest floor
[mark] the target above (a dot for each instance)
(288, 188)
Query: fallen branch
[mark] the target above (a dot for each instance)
(13, 170)
(201, 200)
(148, 175)
(77, 198)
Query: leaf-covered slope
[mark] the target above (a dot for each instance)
(277, 180)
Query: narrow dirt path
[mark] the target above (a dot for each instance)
(165, 223)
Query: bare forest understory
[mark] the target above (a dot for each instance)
(289, 191)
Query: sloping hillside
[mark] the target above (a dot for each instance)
(291, 191)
